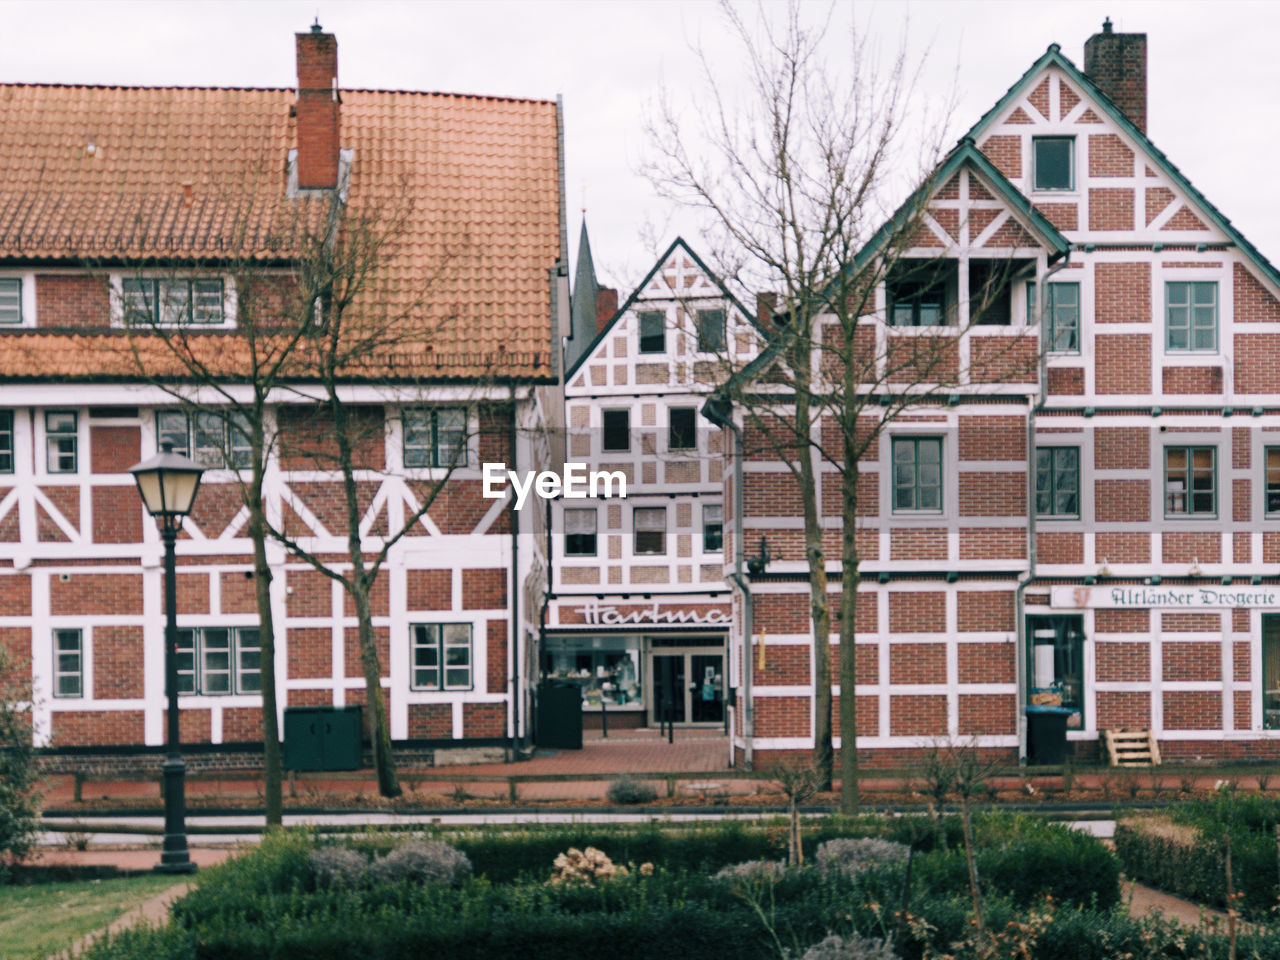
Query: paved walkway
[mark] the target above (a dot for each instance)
(631, 751)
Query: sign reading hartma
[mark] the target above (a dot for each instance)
(597, 614)
(1172, 598)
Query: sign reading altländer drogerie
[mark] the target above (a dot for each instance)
(1146, 597)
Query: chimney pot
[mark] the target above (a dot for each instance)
(1117, 65)
(317, 110)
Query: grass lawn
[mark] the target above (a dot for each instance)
(43, 918)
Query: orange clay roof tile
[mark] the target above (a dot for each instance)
(99, 174)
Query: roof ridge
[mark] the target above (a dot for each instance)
(269, 89)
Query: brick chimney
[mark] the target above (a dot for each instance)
(317, 109)
(1117, 64)
(606, 306)
(766, 307)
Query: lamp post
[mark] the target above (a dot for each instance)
(167, 484)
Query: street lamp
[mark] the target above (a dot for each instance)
(167, 484)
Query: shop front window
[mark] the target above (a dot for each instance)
(608, 669)
(1271, 671)
(1055, 666)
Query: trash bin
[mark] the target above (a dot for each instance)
(559, 715)
(1047, 735)
(323, 738)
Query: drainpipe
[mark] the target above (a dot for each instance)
(719, 411)
(515, 593)
(1020, 646)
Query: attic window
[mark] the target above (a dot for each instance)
(1054, 163)
(922, 293)
(10, 300)
(653, 332)
(177, 301)
(990, 283)
(711, 331)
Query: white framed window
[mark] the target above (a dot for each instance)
(712, 528)
(219, 661)
(1191, 316)
(173, 301)
(917, 474)
(682, 432)
(435, 437)
(1053, 163)
(653, 331)
(712, 331)
(580, 533)
(616, 432)
(1058, 481)
(440, 655)
(1190, 481)
(68, 663)
(6, 441)
(11, 301)
(650, 530)
(62, 441)
(217, 439)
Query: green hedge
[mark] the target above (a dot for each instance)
(1185, 859)
(1184, 851)
(265, 904)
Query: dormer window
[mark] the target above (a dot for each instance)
(10, 301)
(172, 302)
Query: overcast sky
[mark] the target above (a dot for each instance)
(1213, 75)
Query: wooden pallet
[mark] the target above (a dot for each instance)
(1131, 748)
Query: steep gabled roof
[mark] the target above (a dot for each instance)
(1053, 57)
(964, 153)
(167, 175)
(677, 244)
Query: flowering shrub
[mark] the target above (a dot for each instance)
(587, 866)
(337, 866)
(851, 856)
(853, 947)
(627, 789)
(752, 870)
(422, 861)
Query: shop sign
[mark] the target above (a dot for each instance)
(596, 614)
(1161, 597)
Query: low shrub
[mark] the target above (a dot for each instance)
(1028, 859)
(751, 870)
(421, 861)
(338, 866)
(852, 947)
(628, 790)
(851, 856)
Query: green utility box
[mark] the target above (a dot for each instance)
(559, 715)
(323, 738)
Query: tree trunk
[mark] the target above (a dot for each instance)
(358, 585)
(819, 608)
(984, 947)
(379, 730)
(271, 759)
(850, 576)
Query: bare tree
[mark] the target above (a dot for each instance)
(308, 323)
(795, 178)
